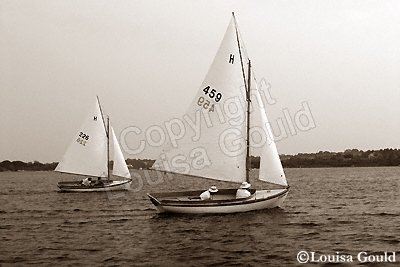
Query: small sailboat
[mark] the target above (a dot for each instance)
(228, 110)
(89, 155)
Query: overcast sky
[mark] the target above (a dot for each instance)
(147, 59)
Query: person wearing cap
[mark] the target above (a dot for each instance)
(206, 195)
(242, 192)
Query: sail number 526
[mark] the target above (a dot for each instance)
(82, 138)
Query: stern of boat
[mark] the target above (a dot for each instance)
(157, 204)
(154, 200)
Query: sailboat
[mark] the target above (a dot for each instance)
(230, 110)
(89, 155)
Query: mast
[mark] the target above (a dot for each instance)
(248, 159)
(247, 88)
(107, 130)
(108, 148)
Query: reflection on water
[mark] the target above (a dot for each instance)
(327, 210)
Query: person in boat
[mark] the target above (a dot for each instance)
(86, 181)
(206, 195)
(242, 192)
(98, 182)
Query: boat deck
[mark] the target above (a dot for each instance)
(79, 184)
(223, 196)
(104, 184)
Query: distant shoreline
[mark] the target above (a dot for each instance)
(349, 158)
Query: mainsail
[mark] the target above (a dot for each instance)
(119, 167)
(218, 108)
(87, 153)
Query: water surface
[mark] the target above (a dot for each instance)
(328, 210)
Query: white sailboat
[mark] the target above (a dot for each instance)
(89, 155)
(222, 149)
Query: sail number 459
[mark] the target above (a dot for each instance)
(211, 94)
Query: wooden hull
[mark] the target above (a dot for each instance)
(223, 202)
(76, 186)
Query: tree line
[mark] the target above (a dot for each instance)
(347, 158)
(26, 166)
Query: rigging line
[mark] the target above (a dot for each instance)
(102, 116)
(241, 59)
(247, 87)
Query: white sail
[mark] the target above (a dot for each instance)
(262, 142)
(119, 167)
(219, 151)
(87, 154)
(271, 169)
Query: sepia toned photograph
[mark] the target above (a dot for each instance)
(199, 133)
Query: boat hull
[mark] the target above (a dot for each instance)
(259, 200)
(76, 186)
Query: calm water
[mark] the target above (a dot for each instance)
(340, 209)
